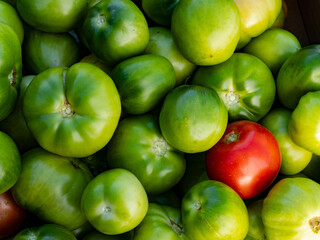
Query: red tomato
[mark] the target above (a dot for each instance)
(11, 214)
(247, 158)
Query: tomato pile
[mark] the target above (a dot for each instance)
(157, 120)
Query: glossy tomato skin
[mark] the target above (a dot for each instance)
(11, 214)
(247, 158)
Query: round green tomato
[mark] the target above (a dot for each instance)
(45, 232)
(243, 82)
(100, 236)
(193, 118)
(10, 69)
(143, 82)
(47, 50)
(274, 47)
(213, 210)
(162, 43)
(52, 15)
(51, 186)
(299, 75)
(291, 210)
(293, 157)
(9, 16)
(10, 163)
(114, 202)
(72, 111)
(256, 228)
(206, 31)
(305, 119)
(161, 222)
(114, 30)
(138, 146)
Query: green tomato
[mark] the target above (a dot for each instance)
(193, 118)
(139, 147)
(305, 119)
(83, 230)
(143, 82)
(161, 43)
(293, 157)
(213, 210)
(299, 75)
(115, 30)
(47, 50)
(256, 228)
(10, 69)
(312, 170)
(280, 21)
(168, 198)
(45, 232)
(99, 236)
(50, 186)
(10, 163)
(95, 61)
(9, 16)
(274, 47)
(15, 125)
(52, 15)
(243, 82)
(72, 111)
(206, 31)
(114, 202)
(161, 222)
(291, 210)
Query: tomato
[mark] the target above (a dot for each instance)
(193, 118)
(273, 47)
(168, 198)
(256, 228)
(143, 82)
(243, 82)
(298, 75)
(95, 235)
(51, 186)
(247, 158)
(206, 31)
(72, 111)
(114, 202)
(95, 61)
(291, 210)
(280, 21)
(115, 30)
(11, 215)
(212, 210)
(52, 15)
(46, 231)
(311, 171)
(293, 158)
(161, 222)
(161, 43)
(139, 147)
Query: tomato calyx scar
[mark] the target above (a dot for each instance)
(232, 137)
(315, 224)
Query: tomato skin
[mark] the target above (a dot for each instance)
(247, 158)
(11, 214)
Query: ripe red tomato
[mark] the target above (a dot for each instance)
(11, 214)
(247, 158)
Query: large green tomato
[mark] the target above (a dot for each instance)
(293, 157)
(52, 15)
(304, 123)
(161, 43)
(114, 30)
(213, 210)
(161, 222)
(143, 82)
(10, 69)
(50, 186)
(10, 163)
(256, 17)
(273, 47)
(72, 111)
(299, 75)
(114, 202)
(9, 16)
(243, 82)
(43, 50)
(193, 118)
(100, 236)
(291, 211)
(45, 232)
(138, 146)
(206, 31)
